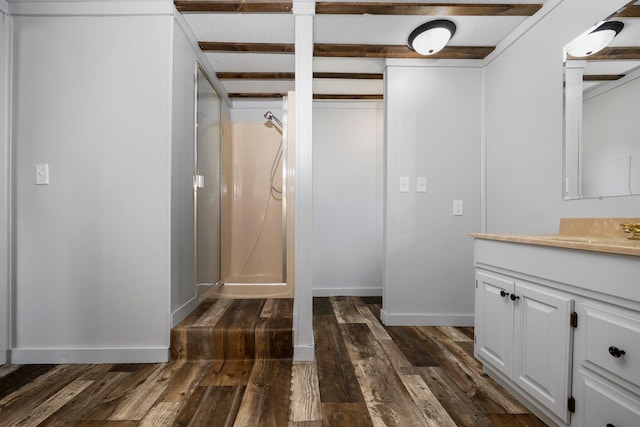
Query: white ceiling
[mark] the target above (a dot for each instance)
(353, 29)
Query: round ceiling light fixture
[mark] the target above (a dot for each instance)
(432, 37)
(594, 41)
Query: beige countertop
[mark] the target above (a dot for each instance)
(586, 234)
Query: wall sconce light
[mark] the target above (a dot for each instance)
(432, 37)
(594, 41)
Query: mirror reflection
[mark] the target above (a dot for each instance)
(602, 101)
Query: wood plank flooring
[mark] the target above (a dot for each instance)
(241, 329)
(365, 374)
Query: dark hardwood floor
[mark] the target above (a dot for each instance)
(365, 374)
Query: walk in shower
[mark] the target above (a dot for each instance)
(256, 209)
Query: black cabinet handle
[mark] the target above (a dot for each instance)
(514, 297)
(616, 352)
(504, 294)
(610, 425)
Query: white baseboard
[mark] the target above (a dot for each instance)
(426, 319)
(3, 357)
(183, 311)
(21, 356)
(303, 353)
(347, 292)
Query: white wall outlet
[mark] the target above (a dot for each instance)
(421, 184)
(404, 184)
(42, 174)
(458, 207)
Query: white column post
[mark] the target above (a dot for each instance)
(303, 306)
(5, 180)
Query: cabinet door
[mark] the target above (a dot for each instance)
(543, 346)
(605, 404)
(494, 327)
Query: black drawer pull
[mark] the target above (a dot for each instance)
(514, 297)
(504, 294)
(610, 425)
(616, 352)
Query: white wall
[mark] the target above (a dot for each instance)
(432, 130)
(5, 174)
(92, 98)
(347, 198)
(524, 128)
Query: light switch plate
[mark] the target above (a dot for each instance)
(421, 184)
(42, 174)
(404, 184)
(458, 207)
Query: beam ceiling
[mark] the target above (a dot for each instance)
(360, 8)
(380, 51)
(234, 6)
(397, 51)
(291, 76)
(351, 50)
(426, 9)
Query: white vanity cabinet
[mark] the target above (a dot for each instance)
(523, 331)
(559, 328)
(607, 365)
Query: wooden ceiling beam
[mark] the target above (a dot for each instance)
(322, 96)
(614, 54)
(257, 95)
(354, 76)
(255, 76)
(428, 9)
(247, 47)
(398, 51)
(251, 6)
(291, 76)
(350, 50)
(359, 8)
(601, 77)
(631, 11)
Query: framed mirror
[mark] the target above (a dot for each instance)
(601, 106)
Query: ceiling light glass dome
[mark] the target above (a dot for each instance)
(431, 37)
(593, 42)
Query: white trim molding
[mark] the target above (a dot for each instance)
(183, 311)
(21, 356)
(6, 28)
(348, 292)
(426, 319)
(303, 353)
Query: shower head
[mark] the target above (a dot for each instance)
(273, 119)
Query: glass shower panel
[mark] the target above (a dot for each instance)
(207, 183)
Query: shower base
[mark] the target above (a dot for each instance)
(246, 287)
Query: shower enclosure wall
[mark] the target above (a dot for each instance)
(206, 196)
(257, 215)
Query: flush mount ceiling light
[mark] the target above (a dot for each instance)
(431, 37)
(595, 41)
